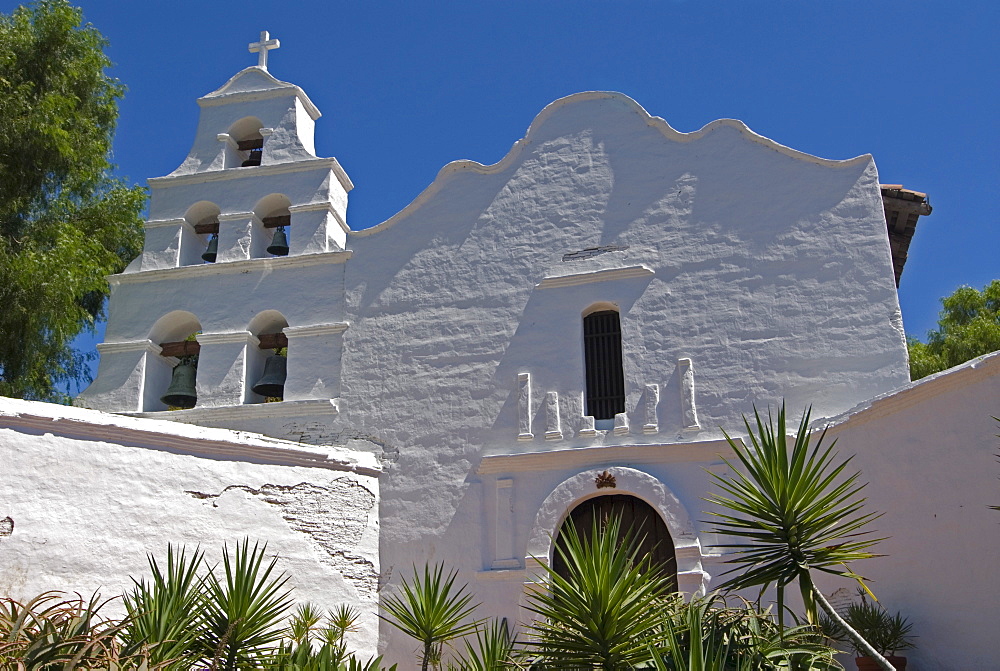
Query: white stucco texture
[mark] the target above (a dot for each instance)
(90, 495)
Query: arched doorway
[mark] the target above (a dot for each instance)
(646, 524)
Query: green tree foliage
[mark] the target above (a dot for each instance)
(65, 221)
(968, 326)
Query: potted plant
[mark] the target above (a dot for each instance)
(888, 634)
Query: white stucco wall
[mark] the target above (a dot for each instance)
(768, 269)
(90, 495)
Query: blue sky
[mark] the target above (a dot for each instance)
(407, 87)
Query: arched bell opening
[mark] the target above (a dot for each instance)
(648, 530)
(202, 246)
(247, 147)
(169, 381)
(267, 364)
(271, 232)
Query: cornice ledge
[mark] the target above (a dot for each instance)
(266, 170)
(236, 216)
(311, 330)
(226, 337)
(122, 346)
(512, 574)
(159, 223)
(573, 279)
(320, 406)
(237, 446)
(231, 267)
(321, 206)
(610, 455)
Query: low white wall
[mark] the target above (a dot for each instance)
(90, 494)
(928, 453)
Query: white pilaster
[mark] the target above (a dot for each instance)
(314, 358)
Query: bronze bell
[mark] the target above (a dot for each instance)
(181, 392)
(279, 244)
(213, 249)
(272, 383)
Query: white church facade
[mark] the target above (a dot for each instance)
(576, 322)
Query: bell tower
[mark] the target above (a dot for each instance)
(243, 261)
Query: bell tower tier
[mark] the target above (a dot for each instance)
(249, 219)
(252, 169)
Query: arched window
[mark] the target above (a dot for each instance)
(249, 143)
(270, 236)
(602, 352)
(646, 525)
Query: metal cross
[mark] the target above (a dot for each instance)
(261, 48)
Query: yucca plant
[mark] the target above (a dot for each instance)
(315, 648)
(796, 510)
(165, 614)
(371, 664)
(494, 649)
(430, 609)
(606, 612)
(244, 610)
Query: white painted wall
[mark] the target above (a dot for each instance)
(768, 269)
(91, 494)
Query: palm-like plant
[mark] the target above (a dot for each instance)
(796, 510)
(606, 612)
(429, 609)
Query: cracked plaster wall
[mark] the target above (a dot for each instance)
(81, 514)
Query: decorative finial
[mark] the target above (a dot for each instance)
(261, 48)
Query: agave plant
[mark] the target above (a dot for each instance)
(430, 609)
(796, 510)
(706, 634)
(606, 612)
(887, 633)
(50, 632)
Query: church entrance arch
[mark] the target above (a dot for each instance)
(584, 486)
(648, 531)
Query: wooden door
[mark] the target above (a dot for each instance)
(646, 524)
